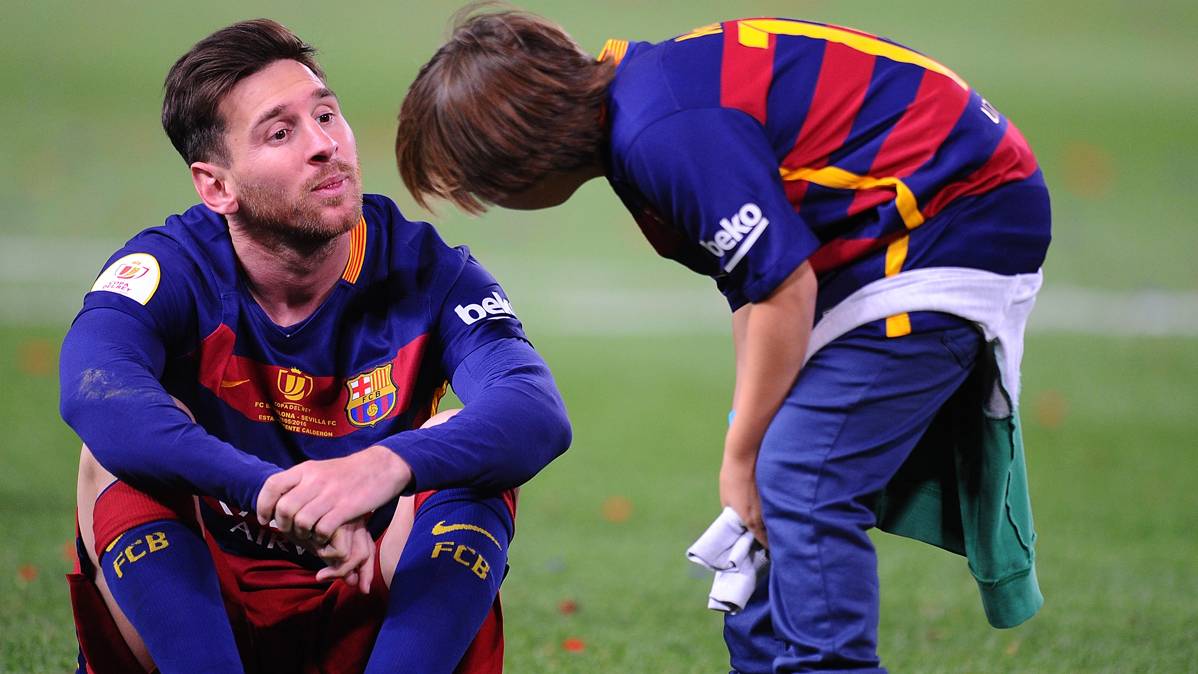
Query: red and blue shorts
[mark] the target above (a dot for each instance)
(283, 619)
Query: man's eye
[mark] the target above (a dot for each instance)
(281, 134)
(324, 118)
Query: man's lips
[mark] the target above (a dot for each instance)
(331, 184)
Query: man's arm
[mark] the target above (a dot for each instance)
(513, 424)
(112, 398)
(771, 338)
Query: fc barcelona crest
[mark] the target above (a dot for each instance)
(371, 396)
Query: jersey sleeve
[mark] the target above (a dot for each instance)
(513, 424)
(712, 172)
(137, 315)
(149, 279)
(475, 311)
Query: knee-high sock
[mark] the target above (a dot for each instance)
(163, 577)
(444, 584)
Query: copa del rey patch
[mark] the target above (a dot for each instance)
(135, 276)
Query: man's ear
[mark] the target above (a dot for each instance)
(213, 185)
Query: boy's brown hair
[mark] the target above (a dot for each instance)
(199, 80)
(509, 99)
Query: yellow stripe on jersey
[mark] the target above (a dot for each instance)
(898, 325)
(701, 31)
(896, 254)
(838, 178)
(752, 36)
(908, 208)
(755, 32)
(357, 252)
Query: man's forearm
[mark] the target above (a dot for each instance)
(513, 424)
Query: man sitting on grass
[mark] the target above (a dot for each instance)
(264, 486)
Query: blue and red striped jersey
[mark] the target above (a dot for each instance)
(371, 362)
(747, 147)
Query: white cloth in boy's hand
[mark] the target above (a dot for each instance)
(732, 588)
(729, 549)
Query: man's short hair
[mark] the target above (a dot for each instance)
(199, 80)
(509, 99)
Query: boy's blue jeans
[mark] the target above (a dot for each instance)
(857, 409)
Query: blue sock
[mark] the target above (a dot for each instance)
(163, 577)
(444, 584)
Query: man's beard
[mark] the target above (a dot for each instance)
(268, 215)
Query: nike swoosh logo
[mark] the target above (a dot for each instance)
(225, 383)
(442, 528)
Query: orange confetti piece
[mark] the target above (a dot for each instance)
(567, 607)
(36, 357)
(617, 509)
(574, 645)
(28, 572)
(1051, 408)
(1087, 170)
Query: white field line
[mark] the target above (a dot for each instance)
(42, 282)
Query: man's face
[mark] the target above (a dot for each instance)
(293, 162)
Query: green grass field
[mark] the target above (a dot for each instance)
(1105, 92)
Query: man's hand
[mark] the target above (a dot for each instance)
(349, 555)
(313, 499)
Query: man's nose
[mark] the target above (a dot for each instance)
(323, 146)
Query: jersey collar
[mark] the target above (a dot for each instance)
(357, 252)
(613, 49)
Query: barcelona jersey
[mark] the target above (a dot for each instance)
(747, 147)
(372, 361)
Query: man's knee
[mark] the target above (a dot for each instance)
(92, 481)
(440, 418)
(392, 545)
